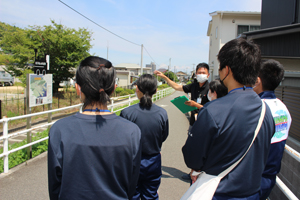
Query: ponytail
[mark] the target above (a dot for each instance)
(146, 100)
(147, 84)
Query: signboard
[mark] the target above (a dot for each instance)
(40, 89)
(42, 66)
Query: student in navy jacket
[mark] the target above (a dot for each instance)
(225, 127)
(94, 154)
(269, 77)
(154, 125)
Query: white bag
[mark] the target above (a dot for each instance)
(206, 185)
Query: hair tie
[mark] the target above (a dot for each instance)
(101, 65)
(101, 90)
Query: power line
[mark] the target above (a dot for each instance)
(97, 23)
(150, 55)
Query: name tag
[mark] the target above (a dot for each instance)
(199, 100)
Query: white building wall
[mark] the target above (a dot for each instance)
(223, 29)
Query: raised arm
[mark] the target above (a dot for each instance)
(170, 82)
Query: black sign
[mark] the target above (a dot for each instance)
(41, 66)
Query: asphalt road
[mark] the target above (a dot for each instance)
(28, 181)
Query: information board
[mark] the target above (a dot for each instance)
(40, 89)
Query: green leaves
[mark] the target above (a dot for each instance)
(66, 47)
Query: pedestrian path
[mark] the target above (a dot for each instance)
(29, 180)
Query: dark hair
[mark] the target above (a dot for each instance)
(96, 77)
(271, 74)
(147, 84)
(220, 89)
(243, 58)
(204, 65)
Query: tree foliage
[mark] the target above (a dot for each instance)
(171, 75)
(66, 47)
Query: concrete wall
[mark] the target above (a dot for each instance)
(223, 30)
(124, 78)
(289, 173)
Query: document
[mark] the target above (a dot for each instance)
(179, 103)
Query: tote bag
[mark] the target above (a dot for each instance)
(206, 185)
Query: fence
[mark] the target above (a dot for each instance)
(127, 100)
(17, 106)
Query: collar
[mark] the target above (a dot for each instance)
(204, 85)
(240, 88)
(267, 95)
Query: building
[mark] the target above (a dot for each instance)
(152, 65)
(279, 39)
(128, 72)
(182, 76)
(162, 70)
(225, 26)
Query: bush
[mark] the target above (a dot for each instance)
(189, 82)
(119, 90)
(123, 93)
(162, 86)
(129, 91)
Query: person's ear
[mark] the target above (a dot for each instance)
(215, 94)
(78, 89)
(258, 81)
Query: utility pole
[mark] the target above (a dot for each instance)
(107, 51)
(174, 73)
(142, 60)
(169, 67)
(194, 68)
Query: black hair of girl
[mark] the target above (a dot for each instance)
(147, 84)
(220, 89)
(96, 78)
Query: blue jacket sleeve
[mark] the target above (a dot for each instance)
(54, 164)
(165, 127)
(199, 140)
(136, 164)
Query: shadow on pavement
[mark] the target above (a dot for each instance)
(174, 173)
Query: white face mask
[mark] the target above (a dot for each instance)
(201, 78)
(210, 97)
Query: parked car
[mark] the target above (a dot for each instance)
(6, 78)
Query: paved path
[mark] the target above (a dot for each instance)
(28, 181)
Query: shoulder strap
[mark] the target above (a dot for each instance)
(261, 118)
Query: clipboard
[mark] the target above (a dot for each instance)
(179, 103)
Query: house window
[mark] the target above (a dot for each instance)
(246, 28)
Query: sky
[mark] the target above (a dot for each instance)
(170, 31)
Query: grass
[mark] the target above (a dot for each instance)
(20, 156)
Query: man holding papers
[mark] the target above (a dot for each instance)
(198, 89)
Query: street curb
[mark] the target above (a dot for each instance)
(22, 165)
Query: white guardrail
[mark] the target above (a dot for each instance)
(160, 94)
(125, 100)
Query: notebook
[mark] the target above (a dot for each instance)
(179, 103)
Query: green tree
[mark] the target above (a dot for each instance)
(66, 47)
(171, 75)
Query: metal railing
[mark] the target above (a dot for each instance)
(287, 192)
(128, 99)
(127, 102)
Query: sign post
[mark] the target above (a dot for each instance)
(38, 92)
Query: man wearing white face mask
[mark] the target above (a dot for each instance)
(198, 90)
